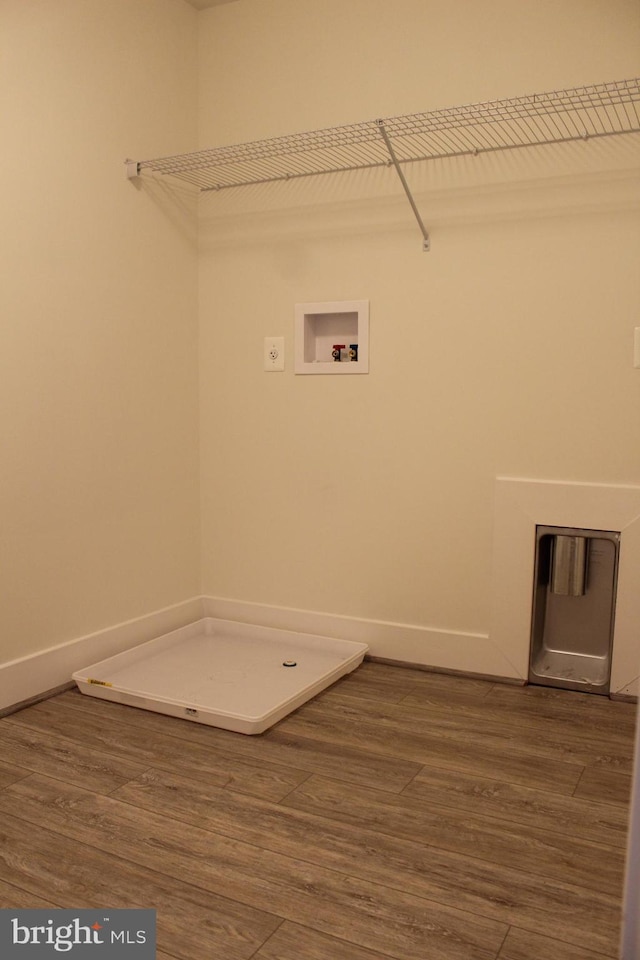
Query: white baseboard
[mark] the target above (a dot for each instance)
(449, 650)
(33, 676)
(472, 653)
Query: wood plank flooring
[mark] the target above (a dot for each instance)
(400, 815)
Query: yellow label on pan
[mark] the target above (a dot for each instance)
(100, 683)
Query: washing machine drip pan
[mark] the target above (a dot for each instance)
(222, 673)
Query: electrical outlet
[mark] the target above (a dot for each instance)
(274, 353)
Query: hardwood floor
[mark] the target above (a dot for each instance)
(400, 815)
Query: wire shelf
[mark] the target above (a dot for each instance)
(578, 114)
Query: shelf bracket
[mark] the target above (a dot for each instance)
(426, 243)
(133, 169)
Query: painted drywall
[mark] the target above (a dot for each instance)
(98, 343)
(507, 350)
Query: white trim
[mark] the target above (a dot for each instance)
(34, 675)
(39, 673)
(477, 654)
(405, 643)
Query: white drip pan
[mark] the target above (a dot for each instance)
(232, 675)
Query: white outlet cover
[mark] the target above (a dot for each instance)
(273, 354)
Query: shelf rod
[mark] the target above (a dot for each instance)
(426, 242)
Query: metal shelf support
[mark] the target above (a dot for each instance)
(426, 243)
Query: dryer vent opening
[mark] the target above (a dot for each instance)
(574, 594)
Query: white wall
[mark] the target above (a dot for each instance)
(98, 343)
(507, 350)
